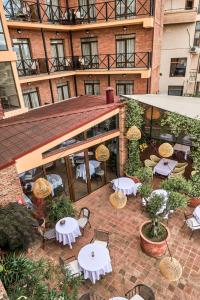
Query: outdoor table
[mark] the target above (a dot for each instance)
(67, 232)
(196, 213)
(55, 181)
(81, 171)
(94, 260)
(165, 169)
(125, 185)
(182, 148)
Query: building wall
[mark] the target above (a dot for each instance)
(10, 187)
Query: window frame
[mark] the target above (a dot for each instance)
(62, 85)
(173, 74)
(174, 86)
(29, 92)
(124, 83)
(2, 33)
(187, 5)
(197, 31)
(92, 83)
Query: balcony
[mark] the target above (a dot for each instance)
(102, 12)
(133, 63)
(180, 15)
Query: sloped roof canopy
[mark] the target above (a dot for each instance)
(186, 106)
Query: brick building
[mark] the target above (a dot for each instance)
(54, 50)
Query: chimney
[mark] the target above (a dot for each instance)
(110, 95)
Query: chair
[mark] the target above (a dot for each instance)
(99, 172)
(140, 292)
(154, 158)
(83, 219)
(101, 237)
(70, 264)
(149, 163)
(91, 296)
(184, 164)
(48, 235)
(192, 223)
(180, 174)
(178, 170)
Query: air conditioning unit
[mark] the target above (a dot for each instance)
(193, 50)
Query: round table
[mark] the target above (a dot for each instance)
(125, 185)
(94, 267)
(67, 232)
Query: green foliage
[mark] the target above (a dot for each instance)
(133, 163)
(155, 203)
(16, 230)
(22, 276)
(145, 174)
(134, 116)
(195, 185)
(177, 184)
(145, 190)
(176, 200)
(59, 208)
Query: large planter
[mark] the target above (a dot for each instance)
(194, 202)
(154, 249)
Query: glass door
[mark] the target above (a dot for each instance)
(87, 10)
(53, 10)
(31, 99)
(90, 52)
(24, 60)
(125, 9)
(58, 56)
(125, 48)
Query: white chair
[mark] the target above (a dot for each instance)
(101, 237)
(71, 265)
(84, 217)
(193, 225)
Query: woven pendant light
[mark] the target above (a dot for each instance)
(152, 114)
(166, 150)
(42, 188)
(133, 134)
(170, 268)
(118, 199)
(102, 153)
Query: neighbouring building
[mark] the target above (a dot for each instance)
(55, 50)
(180, 64)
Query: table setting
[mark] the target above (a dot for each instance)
(67, 230)
(125, 185)
(81, 171)
(165, 166)
(94, 260)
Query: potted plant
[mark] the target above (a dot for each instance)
(195, 190)
(153, 233)
(145, 175)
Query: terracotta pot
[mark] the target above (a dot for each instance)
(154, 249)
(134, 178)
(194, 202)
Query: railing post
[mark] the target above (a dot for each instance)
(38, 10)
(106, 3)
(149, 59)
(108, 61)
(152, 5)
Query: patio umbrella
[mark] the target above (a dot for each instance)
(102, 153)
(42, 188)
(133, 133)
(165, 150)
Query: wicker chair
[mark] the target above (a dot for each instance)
(149, 163)
(101, 237)
(177, 174)
(184, 164)
(178, 170)
(141, 290)
(70, 264)
(154, 158)
(84, 217)
(91, 296)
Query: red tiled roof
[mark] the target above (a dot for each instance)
(26, 132)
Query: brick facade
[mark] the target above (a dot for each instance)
(10, 187)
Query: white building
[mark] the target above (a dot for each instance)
(180, 50)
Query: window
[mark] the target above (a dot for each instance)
(8, 92)
(189, 4)
(199, 7)
(178, 67)
(3, 45)
(197, 35)
(52, 10)
(63, 91)
(92, 87)
(124, 88)
(198, 89)
(125, 9)
(175, 90)
(87, 10)
(31, 99)
(25, 64)
(125, 48)
(57, 62)
(89, 48)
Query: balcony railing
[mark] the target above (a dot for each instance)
(98, 12)
(137, 60)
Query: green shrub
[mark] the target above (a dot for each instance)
(177, 184)
(195, 185)
(145, 175)
(16, 227)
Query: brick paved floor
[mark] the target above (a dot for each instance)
(130, 265)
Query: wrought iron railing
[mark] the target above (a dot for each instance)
(137, 60)
(97, 12)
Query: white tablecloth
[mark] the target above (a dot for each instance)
(55, 181)
(163, 169)
(158, 192)
(94, 267)
(196, 213)
(182, 148)
(95, 163)
(118, 298)
(125, 185)
(81, 171)
(67, 232)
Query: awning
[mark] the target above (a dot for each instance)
(186, 106)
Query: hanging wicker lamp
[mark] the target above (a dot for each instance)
(102, 153)
(170, 268)
(118, 199)
(152, 114)
(133, 133)
(42, 188)
(166, 150)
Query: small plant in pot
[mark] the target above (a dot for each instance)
(195, 190)
(154, 234)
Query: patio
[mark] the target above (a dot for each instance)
(130, 265)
